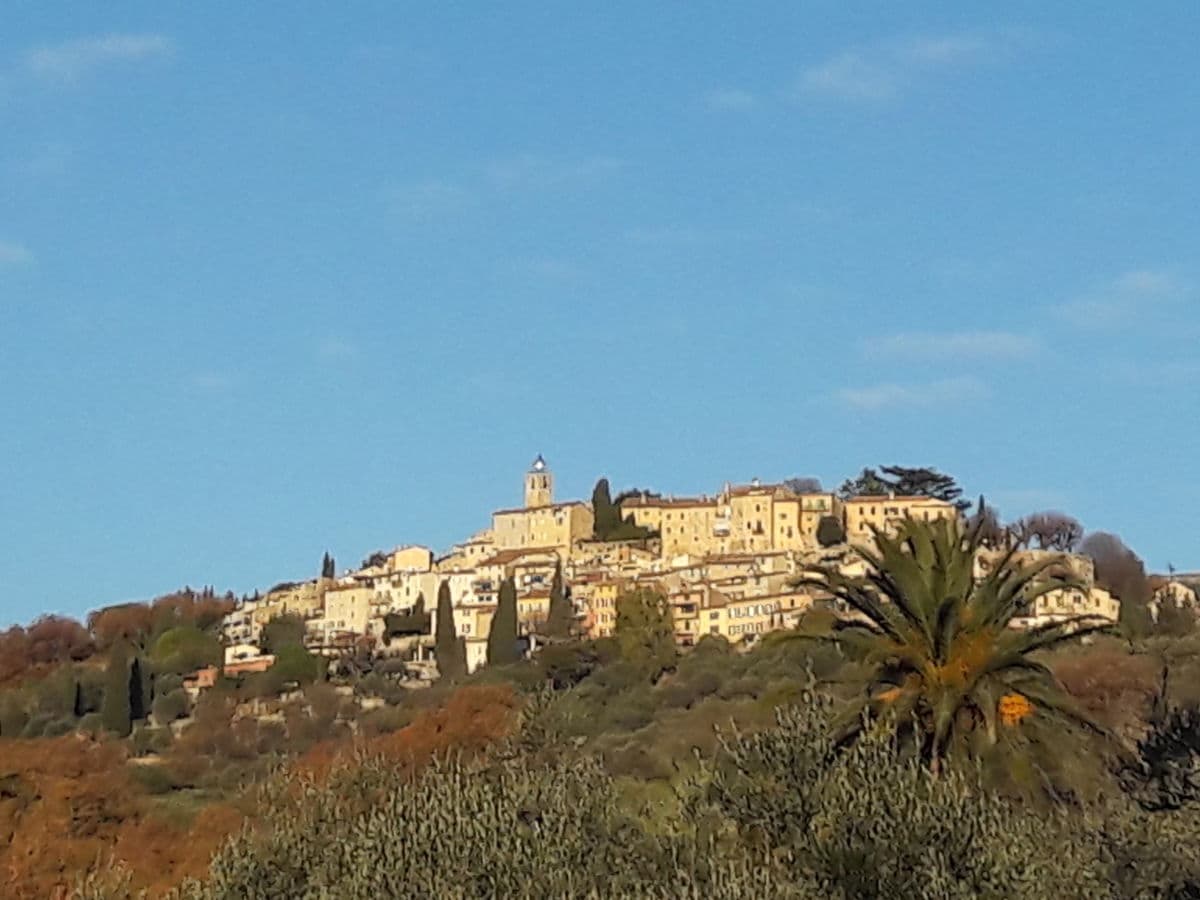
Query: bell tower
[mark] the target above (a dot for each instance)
(539, 485)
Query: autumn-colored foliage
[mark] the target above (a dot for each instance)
(471, 719)
(1112, 684)
(48, 641)
(68, 804)
(1014, 708)
(61, 805)
(160, 854)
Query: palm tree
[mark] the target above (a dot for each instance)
(938, 654)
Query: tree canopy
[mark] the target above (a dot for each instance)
(1122, 573)
(184, 649)
(1050, 530)
(448, 648)
(935, 643)
(283, 631)
(609, 523)
(561, 619)
(906, 482)
(502, 646)
(644, 631)
(803, 485)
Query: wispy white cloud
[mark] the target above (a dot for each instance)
(14, 254)
(851, 76)
(437, 198)
(944, 50)
(71, 59)
(1123, 300)
(426, 200)
(882, 70)
(968, 345)
(730, 100)
(1160, 374)
(946, 392)
(529, 171)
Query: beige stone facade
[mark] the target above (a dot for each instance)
(743, 519)
(886, 513)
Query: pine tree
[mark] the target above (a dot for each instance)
(451, 660)
(115, 711)
(561, 617)
(502, 636)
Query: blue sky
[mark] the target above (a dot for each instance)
(282, 279)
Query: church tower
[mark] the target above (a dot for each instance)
(539, 485)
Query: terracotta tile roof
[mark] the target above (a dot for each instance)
(668, 502)
(741, 557)
(884, 498)
(553, 507)
(505, 557)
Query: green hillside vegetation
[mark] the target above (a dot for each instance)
(822, 762)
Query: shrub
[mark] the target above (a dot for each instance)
(293, 664)
(186, 648)
(145, 740)
(36, 726)
(169, 707)
(58, 727)
(154, 779)
(830, 531)
(459, 832)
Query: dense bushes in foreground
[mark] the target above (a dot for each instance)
(777, 814)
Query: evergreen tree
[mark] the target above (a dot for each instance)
(868, 483)
(606, 514)
(78, 705)
(415, 622)
(905, 482)
(328, 567)
(502, 636)
(830, 531)
(451, 659)
(138, 693)
(561, 618)
(114, 711)
(282, 631)
(645, 633)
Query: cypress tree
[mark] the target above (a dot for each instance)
(328, 567)
(562, 614)
(77, 704)
(606, 515)
(502, 636)
(137, 691)
(451, 659)
(114, 711)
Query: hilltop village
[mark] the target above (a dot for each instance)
(726, 563)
